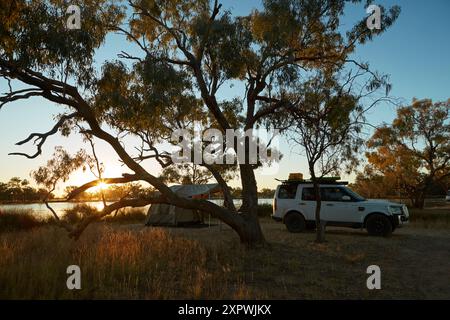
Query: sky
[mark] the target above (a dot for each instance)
(414, 52)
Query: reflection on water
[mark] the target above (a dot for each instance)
(59, 207)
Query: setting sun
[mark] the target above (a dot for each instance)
(100, 187)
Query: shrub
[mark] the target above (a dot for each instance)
(13, 220)
(78, 213)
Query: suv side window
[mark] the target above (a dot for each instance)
(308, 194)
(287, 191)
(334, 194)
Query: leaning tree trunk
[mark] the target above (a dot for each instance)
(250, 232)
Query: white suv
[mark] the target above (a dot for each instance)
(294, 204)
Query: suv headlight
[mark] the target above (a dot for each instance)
(395, 210)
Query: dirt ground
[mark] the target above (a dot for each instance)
(414, 262)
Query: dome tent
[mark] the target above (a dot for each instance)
(169, 215)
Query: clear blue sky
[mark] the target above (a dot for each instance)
(415, 52)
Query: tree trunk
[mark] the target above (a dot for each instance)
(250, 233)
(320, 225)
(419, 200)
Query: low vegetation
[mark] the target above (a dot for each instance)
(120, 258)
(115, 264)
(136, 262)
(435, 218)
(14, 220)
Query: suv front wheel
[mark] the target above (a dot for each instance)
(295, 222)
(379, 225)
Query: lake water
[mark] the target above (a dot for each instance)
(59, 207)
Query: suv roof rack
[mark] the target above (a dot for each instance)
(324, 180)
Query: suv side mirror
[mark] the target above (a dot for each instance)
(346, 198)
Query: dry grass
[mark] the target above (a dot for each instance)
(145, 264)
(435, 217)
(129, 261)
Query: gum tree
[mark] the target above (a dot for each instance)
(327, 125)
(413, 152)
(58, 169)
(178, 56)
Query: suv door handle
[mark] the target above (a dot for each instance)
(302, 203)
(330, 204)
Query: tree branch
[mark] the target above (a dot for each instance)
(225, 188)
(75, 233)
(126, 178)
(42, 137)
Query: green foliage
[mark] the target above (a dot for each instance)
(34, 35)
(152, 98)
(186, 174)
(58, 168)
(18, 190)
(327, 124)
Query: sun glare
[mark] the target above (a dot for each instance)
(101, 186)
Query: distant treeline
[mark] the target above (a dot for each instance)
(18, 190)
(114, 192)
(263, 193)
(377, 187)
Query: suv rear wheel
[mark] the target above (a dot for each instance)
(379, 225)
(295, 222)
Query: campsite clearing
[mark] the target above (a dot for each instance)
(134, 261)
(414, 262)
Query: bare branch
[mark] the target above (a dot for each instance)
(15, 95)
(225, 188)
(42, 137)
